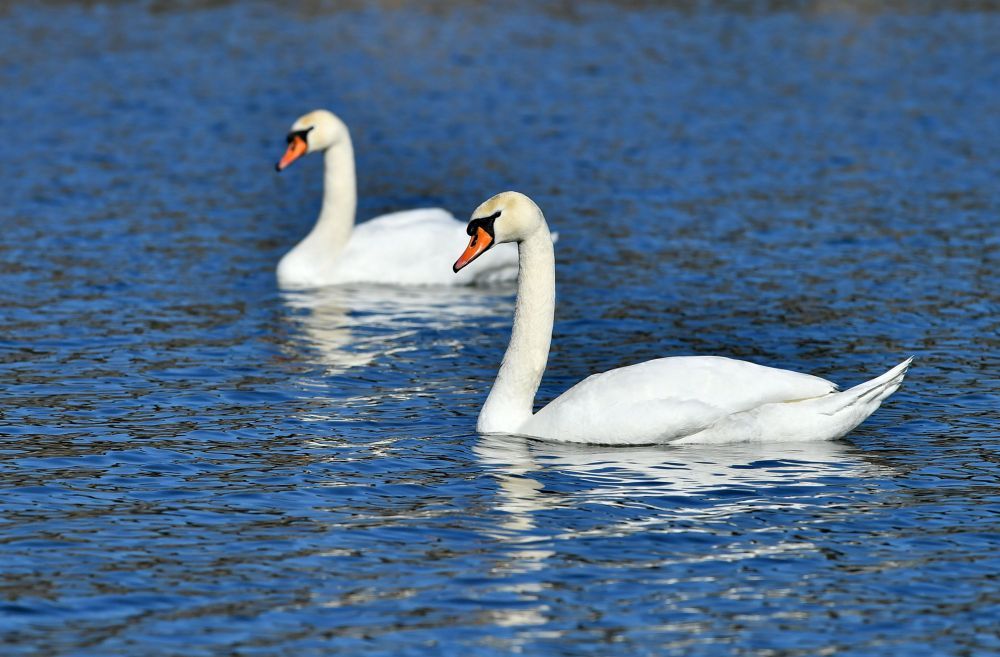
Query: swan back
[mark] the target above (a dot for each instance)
(666, 399)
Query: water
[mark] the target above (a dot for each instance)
(196, 463)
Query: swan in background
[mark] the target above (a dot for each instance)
(685, 399)
(402, 248)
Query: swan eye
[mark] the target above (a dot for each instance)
(486, 223)
(301, 134)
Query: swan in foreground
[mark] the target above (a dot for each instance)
(684, 399)
(402, 248)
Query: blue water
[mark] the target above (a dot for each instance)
(195, 463)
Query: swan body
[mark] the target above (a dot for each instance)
(381, 250)
(707, 399)
(402, 248)
(686, 399)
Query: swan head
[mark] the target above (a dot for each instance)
(506, 217)
(316, 131)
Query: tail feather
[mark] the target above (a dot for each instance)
(870, 392)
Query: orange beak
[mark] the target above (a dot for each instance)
(296, 149)
(480, 242)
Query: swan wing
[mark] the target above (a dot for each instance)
(667, 399)
(418, 247)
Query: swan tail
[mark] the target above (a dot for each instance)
(870, 392)
(843, 411)
(827, 417)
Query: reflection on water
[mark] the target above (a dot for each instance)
(648, 476)
(349, 326)
(343, 329)
(656, 492)
(322, 318)
(632, 474)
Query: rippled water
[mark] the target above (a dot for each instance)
(195, 463)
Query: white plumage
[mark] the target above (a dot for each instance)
(412, 247)
(707, 399)
(403, 248)
(686, 399)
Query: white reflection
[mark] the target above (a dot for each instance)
(656, 480)
(660, 486)
(350, 326)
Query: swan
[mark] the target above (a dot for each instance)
(678, 400)
(402, 248)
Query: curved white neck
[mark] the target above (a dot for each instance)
(512, 398)
(340, 199)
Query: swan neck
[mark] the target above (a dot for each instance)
(511, 400)
(340, 196)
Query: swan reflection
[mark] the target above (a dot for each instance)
(547, 494)
(663, 483)
(344, 327)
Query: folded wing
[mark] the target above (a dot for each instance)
(666, 399)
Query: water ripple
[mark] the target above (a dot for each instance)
(195, 463)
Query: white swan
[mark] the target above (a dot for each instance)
(402, 248)
(687, 399)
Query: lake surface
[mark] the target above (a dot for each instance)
(194, 462)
